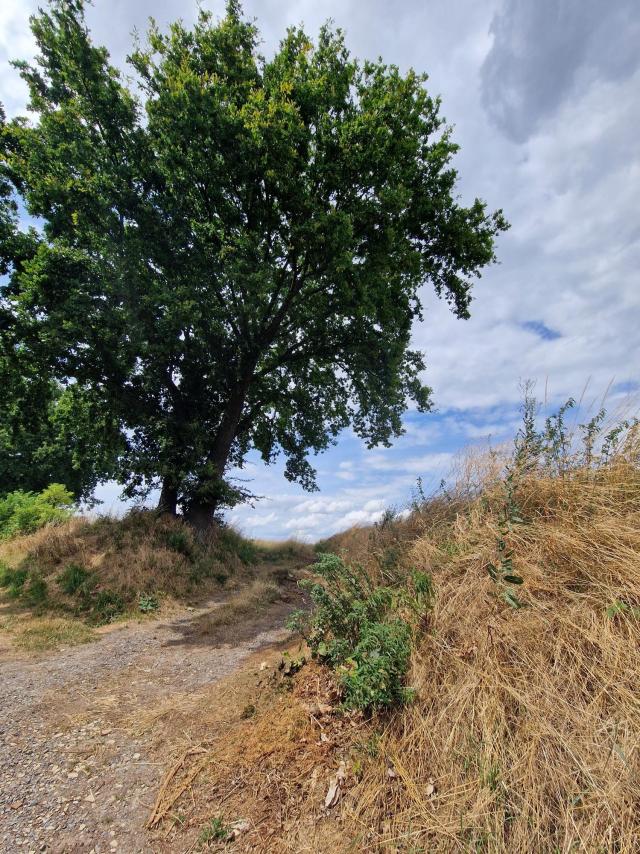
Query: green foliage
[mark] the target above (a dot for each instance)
(26, 512)
(14, 580)
(24, 583)
(362, 630)
(231, 542)
(73, 578)
(214, 831)
(619, 607)
(106, 606)
(242, 244)
(35, 591)
(180, 542)
(147, 603)
(373, 675)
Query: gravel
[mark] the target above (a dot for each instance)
(70, 778)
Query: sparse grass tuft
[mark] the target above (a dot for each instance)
(214, 831)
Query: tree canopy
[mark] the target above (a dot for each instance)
(232, 247)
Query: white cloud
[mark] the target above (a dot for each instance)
(567, 183)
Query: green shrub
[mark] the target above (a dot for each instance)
(35, 591)
(374, 675)
(147, 603)
(362, 630)
(24, 583)
(26, 512)
(73, 579)
(179, 541)
(14, 580)
(107, 606)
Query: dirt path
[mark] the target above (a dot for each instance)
(74, 774)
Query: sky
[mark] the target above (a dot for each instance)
(544, 98)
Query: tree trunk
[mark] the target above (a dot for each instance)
(168, 501)
(200, 513)
(200, 516)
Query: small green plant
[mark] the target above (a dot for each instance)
(214, 831)
(73, 578)
(618, 607)
(362, 630)
(35, 590)
(148, 603)
(107, 606)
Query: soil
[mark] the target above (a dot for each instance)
(79, 772)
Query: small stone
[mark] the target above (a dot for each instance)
(136, 756)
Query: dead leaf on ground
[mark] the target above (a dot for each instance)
(335, 787)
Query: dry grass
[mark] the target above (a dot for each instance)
(525, 732)
(140, 553)
(38, 634)
(525, 735)
(248, 602)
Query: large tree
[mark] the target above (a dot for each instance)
(233, 247)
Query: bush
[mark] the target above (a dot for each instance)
(179, 541)
(25, 512)
(35, 590)
(14, 580)
(73, 578)
(374, 675)
(107, 606)
(364, 631)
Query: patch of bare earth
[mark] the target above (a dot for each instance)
(88, 733)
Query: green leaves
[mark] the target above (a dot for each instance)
(358, 629)
(233, 250)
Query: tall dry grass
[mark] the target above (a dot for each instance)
(525, 734)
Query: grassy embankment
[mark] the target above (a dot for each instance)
(59, 583)
(521, 731)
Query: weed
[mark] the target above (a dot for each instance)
(73, 579)
(618, 607)
(147, 603)
(370, 747)
(107, 606)
(214, 831)
(359, 630)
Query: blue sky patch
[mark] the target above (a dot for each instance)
(541, 330)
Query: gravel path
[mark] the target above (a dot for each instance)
(71, 779)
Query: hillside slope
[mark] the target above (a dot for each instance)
(524, 730)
